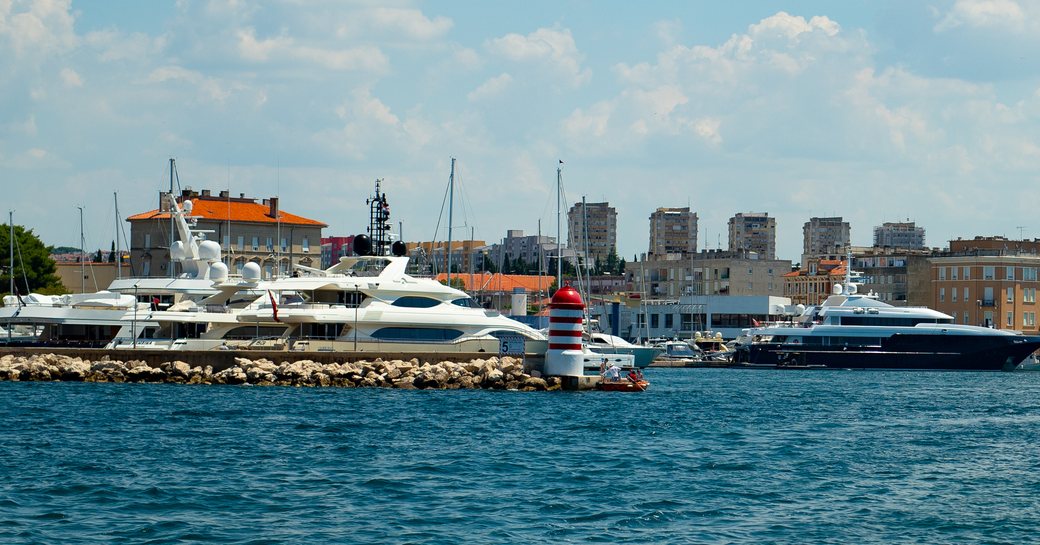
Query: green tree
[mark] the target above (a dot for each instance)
(507, 266)
(620, 269)
(612, 261)
(489, 266)
(32, 264)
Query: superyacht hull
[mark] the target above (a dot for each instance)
(900, 351)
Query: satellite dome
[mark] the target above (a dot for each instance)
(218, 271)
(251, 271)
(209, 251)
(187, 206)
(836, 290)
(177, 251)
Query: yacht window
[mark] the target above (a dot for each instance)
(411, 301)
(466, 302)
(254, 332)
(321, 331)
(416, 334)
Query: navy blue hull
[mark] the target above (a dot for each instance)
(931, 352)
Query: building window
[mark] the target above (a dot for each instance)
(1029, 295)
(988, 272)
(668, 320)
(306, 245)
(270, 244)
(1009, 273)
(285, 247)
(1010, 319)
(147, 243)
(953, 273)
(1010, 295)
(654, 320)
(147, 267)
(942, 295)
(1028, 319)
(256, 243)
(227, 242)
(942, 273)
(967, 273)
(966, 298)
(953, 294)
(954, 317)
(1029, 274)
(241, 243)
(965, 318)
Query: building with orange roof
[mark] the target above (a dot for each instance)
(247, 230)
(494, 290)
(812, 284)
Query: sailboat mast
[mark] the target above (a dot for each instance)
(172, 224)
(82, 255)
(451, 197)
(119, 253)
(10, 264)
(559, 231)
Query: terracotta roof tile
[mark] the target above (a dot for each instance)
(499, 281)
(218, 209)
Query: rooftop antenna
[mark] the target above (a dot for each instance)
(1020, 229)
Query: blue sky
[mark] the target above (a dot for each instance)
(874, 111)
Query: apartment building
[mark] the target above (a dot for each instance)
(673, 231)
(708, 272)
(899, 235)
(825, 237)
(753, 232)
(594, 226)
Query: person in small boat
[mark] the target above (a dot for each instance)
(613, 373)
(635, 376)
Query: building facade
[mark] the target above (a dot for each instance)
(987, 281)
(532, 249)
(247, 230)
(899, 235)
(673, 231)
(594, 226)
(825, 237)
(814, 281)
(708, 272)
(753, 232)
(333, 248)
(686, 316)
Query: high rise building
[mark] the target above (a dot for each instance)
(753, 232)
(673, 231)
(593, 226)
(899, 235)
(824, 237)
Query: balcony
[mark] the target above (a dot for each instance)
(987, 303)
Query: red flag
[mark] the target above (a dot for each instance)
(274, 305)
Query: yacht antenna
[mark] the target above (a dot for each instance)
(848, 270)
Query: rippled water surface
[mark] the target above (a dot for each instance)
(706, 456)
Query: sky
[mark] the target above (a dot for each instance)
(871, 110)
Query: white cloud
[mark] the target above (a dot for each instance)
(70, 78)
(999, 14)
(37, 27)
(285, 49)
(411, 22)
(491, 88)
(554, 47)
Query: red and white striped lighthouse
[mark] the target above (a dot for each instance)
(566, 316)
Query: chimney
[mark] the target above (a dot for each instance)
(205, 193)
(224, 194)
(274, 207)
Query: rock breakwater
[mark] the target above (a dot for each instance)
(492, 373)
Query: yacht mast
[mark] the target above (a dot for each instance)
(172, 224)
(119, 252)
(10, 263)
(451, 197)
(82, 255)
(559, 232)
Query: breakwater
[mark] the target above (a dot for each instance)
(504, 373)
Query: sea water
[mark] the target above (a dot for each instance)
(705, 456)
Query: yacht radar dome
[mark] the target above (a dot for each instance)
(209, 251)
(251, 272)
(187, 206)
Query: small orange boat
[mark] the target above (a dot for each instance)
(624, 385)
